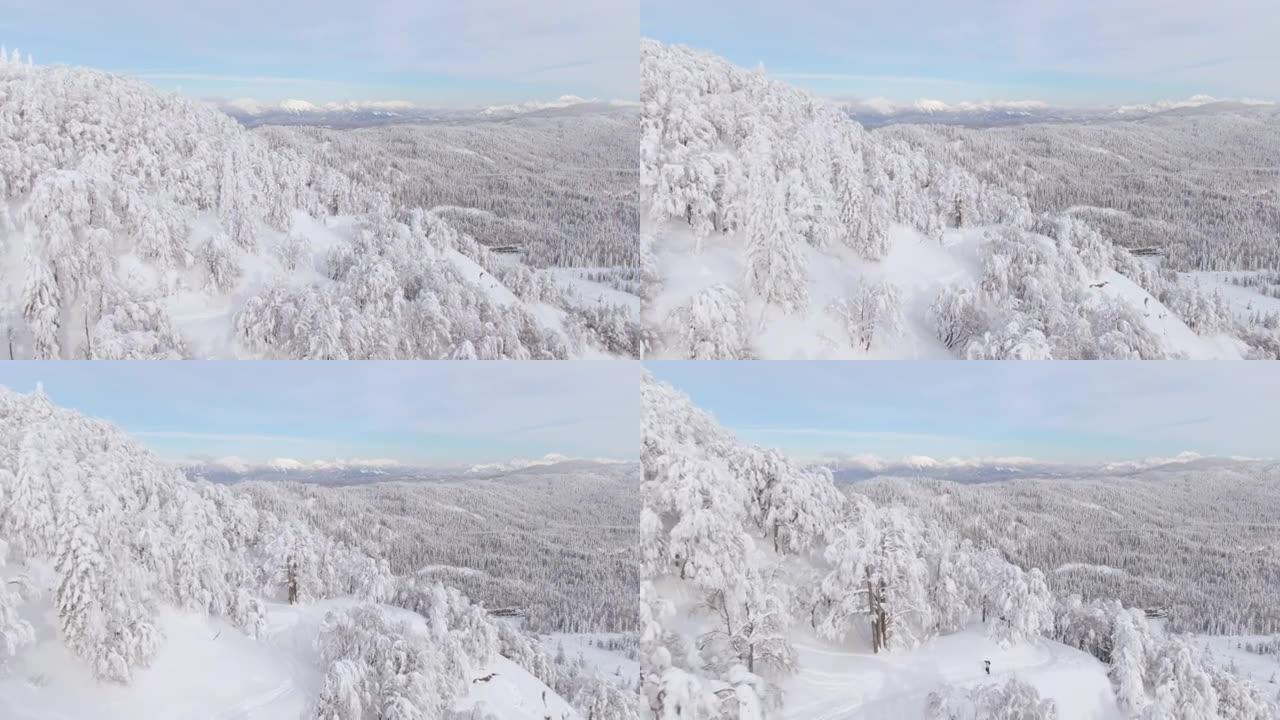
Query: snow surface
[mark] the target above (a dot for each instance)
(513, 694)
(836, 683)
(1173, 332)
(1244, 301)
(917, 266)
(606, 662)
(1264, 670)
(207, 669)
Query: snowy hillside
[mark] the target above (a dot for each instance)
(1196, 540)
(128, 586)
(557, 546)
(775, 227)
(769, 594)
(136, 224)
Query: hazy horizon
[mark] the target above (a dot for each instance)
(429, 414)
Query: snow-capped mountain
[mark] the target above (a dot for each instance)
(877, 112)
(995, 469)
(535, 105)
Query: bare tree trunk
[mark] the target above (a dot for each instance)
(293, 582)
(874, 612)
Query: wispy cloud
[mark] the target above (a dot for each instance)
(845, 434)
(216, 77)
(1056, 412)
(222, 437)
(1058, 50)
(469, 53)
(854, 77)
(437, 412)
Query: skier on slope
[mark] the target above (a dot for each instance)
(987, 666)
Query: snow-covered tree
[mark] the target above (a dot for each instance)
(1014, 700)
(870, 313)
(711, 325)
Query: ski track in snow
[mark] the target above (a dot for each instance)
(250, 707)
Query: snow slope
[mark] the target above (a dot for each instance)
(208, 670)
(836, 683)
(513, 694)
(205, 668)
(1228, 650)
(915, 265)
(609, 664)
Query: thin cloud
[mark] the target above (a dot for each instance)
(221, 437)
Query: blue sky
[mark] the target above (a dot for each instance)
(413, 412)
(435, 53)
(1076, 52)
(1079, 412)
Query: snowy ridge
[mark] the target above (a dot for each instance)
(769, 594)
(136, 224)
(535, 105)
(776, 227)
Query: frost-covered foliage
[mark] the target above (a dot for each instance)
(871, 312)
(1192, 547)
(1157, 674)
(712, 325)
(1035, 294)
(731, 521)
(145, 225)
(726, 149)
(381, 666)
(15, 631)
(1015, 700)
(745, 545)
(102, 174)
(955, 316)
(394, 294)
(784, 185)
